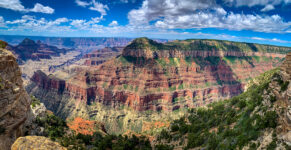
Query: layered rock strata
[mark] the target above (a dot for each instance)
(98, 57)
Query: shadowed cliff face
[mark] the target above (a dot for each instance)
(14, 101)
(156, 78)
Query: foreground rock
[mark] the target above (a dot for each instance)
(36, 143)
(14, 101)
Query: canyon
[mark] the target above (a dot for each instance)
(29, 49)
(85, 43)
(153, 82)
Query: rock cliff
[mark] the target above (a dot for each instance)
(152, 81)
(14, 101)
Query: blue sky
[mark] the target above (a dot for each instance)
(260, 21)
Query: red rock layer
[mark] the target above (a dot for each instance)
(98, 57)
(192, 53)
(147, 85)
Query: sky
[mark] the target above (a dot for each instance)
(258, 21)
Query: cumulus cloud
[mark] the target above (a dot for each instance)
(251, 3)
(113, 23)
(93, 5)
(270, 40)
(171, 14)
(99, 7)
(43, 9)
(155, 9)
(17, 6)
(31, 23)
(61, 26)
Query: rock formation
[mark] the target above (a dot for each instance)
(98, 57)
(152, 81)
(36, 143)
(14, 101)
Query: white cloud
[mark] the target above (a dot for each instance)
(127, 1)
(12, 4)
(65, 26)
(30, 23)
(251, 3)
(155, 9)
(43, 9)
(268, 8)
(170, 14)
(113, 23)
(96, 6)
(2, 22)
(99, 7)
(82, 3)
(17, 6)
(270, 40)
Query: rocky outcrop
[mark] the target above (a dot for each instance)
(282, 91)
(14, 101)
(150, 83)
(36, 143)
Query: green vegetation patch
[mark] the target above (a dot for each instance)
(99, 142)
(3, 44)
(34, 101)
(54, 127)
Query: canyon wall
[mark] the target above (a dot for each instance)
(14, 101)
(150, 85)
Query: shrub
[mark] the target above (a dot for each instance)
(284, 86)
(163, 147)
(272, 145)
(175, 128)
(242, 104)
(273, 98)
(270, 119)
(34, 101)
(3, 44)
(165, 135)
